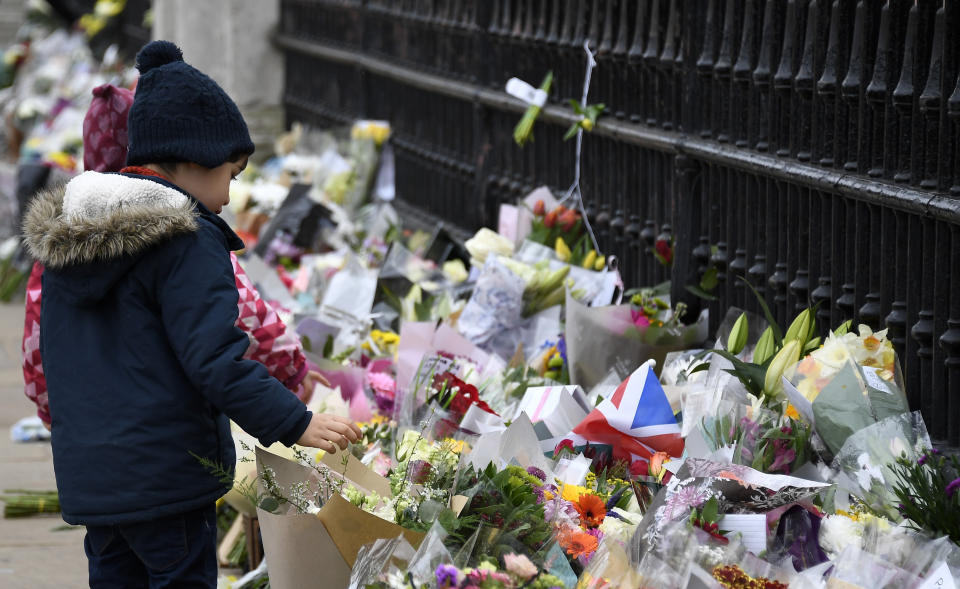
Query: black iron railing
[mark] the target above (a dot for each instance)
(811, 146)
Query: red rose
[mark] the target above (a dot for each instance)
(539, 209)
(639, 468)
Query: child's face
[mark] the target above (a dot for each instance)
(211, 186)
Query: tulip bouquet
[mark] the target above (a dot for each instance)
(563, 229)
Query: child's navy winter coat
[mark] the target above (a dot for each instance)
(143, 360)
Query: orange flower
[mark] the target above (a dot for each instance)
(656, 464)
(792, 412)
(578, 543)
(591, 510)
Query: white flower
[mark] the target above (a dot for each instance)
(616, 529)
(487, 242)
(898, 447)
(833, 355)
(837, 532)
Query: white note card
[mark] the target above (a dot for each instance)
(751, 526)
(871, 373)
(525, 92)
(939, 578)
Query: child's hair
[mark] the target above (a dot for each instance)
(181, 115)
(170, 169)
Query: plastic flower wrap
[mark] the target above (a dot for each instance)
(928, 490)
(849, 383)
(765, 440)
(866, 464)
(913, 551)
(599, 338)
(855, 568)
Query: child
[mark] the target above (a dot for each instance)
(141, 352)
(105, 150)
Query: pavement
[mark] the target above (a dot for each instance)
(39, 551)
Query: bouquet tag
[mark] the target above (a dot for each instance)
(939, 578)
(752, 528)
(525, 92)
(870, 373)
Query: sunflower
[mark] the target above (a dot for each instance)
(591, 510)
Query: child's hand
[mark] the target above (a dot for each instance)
(329, 431)
(310, 382)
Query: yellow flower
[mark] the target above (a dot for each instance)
(455, 446)
(572, 493)
(791, 412)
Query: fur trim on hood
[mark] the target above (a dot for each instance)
(101, 217)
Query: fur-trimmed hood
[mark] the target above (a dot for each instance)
(102, 217)
(91, 231)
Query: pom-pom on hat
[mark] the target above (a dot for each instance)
(180, 115)
(105, 129)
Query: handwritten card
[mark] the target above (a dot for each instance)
(939, 578)
(751, 526)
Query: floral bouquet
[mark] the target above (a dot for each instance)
(855, 568)
(624, 336)
(563, 230)
(454, 397)
(767, 441)
(926, 487)
(847, 384)
(515, 572)
(867, 464)
(737, 489)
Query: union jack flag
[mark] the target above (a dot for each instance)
(636, 421)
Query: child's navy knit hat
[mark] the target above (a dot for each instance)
(180, 115)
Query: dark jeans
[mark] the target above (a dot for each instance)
(173, 551)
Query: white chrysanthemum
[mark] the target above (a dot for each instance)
(616, 529)
(837, 532)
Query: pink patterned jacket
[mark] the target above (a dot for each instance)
(270, 343)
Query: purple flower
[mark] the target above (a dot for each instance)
(952, 487)
(922, 459)
(538, 491)
(533, 470)
(557, 507)
(447, 575)
(783, 456)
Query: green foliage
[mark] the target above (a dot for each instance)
(929, 493)
(505, 504)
